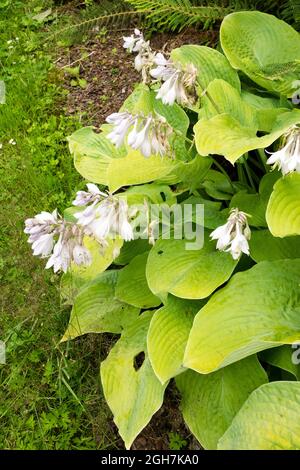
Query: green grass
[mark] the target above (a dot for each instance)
(50, 394)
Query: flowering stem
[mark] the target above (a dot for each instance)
(249, 174)
(205, 92)
(241, 174)
(219, 166)
(263, 158)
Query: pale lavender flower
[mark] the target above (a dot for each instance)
(287, 159)
(234, 235)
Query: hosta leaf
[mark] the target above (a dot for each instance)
(268, 420)
(168, 334)
(285, 357)
(233, 131)
(132, 395)
(224, 98)
(210, 63)
(96, 310)
(131, 249)
(190, 274)
(136, 169)
(283, 211)
(154, 193)
(97, 161)
(257, 310)
(263, 246)
(132, 286)
(210, 402)
(217, 185)
(264, 48)
(78, 277)
(253, 205)
(213, 216)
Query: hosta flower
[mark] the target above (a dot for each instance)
(234, 235)
(144, 60)
(287, 159)
(86, 197)
(149, 134)
(135, 42)
(179, 83)
(43, 231)
(122, 123)
(108, 218)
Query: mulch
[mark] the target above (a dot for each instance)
(109, 72)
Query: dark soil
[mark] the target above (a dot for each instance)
(110, 75)
(109, 71)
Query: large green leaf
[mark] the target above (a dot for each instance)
(257, 310)
(154, 193)
(168, 335)
(96, 310)
(224, 98)
(78, 277)
(217, 185)
(190, 274)
(210, 402)
(131, 249)
(268, 420)
(264, 48)
(132, 395)
(231, 128)
(253, 205)
(98, 162)
(132, 286)
(263, 246)
(283, 211)
(285, 357)
(210, 63)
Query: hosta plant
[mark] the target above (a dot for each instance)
(186, 242)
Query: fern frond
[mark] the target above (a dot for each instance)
(178, 14)
(119, 20)
(290, 11)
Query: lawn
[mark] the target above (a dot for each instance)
(50, 394)
(169, 344)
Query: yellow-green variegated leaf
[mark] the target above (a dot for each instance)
(283, 211)
(78, 277)
(132, 286)
(210, 63)
(132, 391)
(230, 126)
(264, 48)
(255, 205)
(97, 161)
(210, 402)
(154, 193)
(224, 98)
(187, 273)
(96, 310)
(131, 249)
(257, 310)
(285, 357)
(265, 247)
(168, 335)
(136, 169)
(268, 420)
